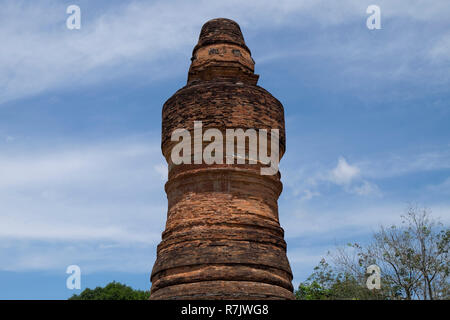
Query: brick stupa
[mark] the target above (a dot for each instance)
(222, 238)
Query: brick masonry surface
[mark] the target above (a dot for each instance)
(222, 238)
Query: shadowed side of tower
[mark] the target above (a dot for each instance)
(222, 238)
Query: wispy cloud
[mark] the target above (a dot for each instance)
(440, 188)
(102, 205)
(405, 162)
(344, 173)
(102, 193)
(39, 53)
(334, 221)
(360, 176)
(307, 184)
(91, 203)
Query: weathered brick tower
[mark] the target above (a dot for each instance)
(222, 239)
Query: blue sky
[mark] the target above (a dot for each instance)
(81, 171)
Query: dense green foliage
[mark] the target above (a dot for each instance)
(112, 291)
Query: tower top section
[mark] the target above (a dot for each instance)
(221, 30)
(222, 55)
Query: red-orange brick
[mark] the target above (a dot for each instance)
(222, 238)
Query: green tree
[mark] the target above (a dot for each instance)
(326, 283)
(413, 259)
(112, 291)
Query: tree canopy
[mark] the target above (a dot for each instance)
(413, 259)
(112, 291)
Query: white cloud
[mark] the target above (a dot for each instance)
(360, 176)
(80, 197)
(332, 222)
(39, 53)
(349, 177)
(90, 256)
(96, 198)
(307, 194)
(405, 162)
(344, 173)
(441, 49)
(440, 188)
(366, 188)
(308, 184)
(69, 164)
